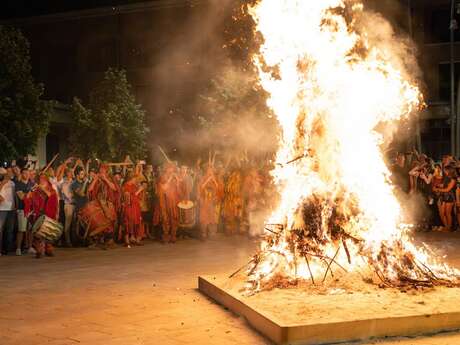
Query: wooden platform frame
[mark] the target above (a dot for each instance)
(326, 333)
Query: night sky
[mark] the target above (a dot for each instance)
(27, 8)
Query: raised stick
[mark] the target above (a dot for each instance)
(164, 154)
(119, 164)
(45, 169)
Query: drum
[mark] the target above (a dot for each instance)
(97, 217)
(47, 228)
(186, 213)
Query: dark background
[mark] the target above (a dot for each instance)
(28, 8)
(172, 48)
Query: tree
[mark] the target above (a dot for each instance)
(112, 125)
(232, 107)
(24, 116)
(233, 114)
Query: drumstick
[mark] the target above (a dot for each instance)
(164, 154)
(49, 164)
(119, 164)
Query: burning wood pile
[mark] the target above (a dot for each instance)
(339, 82)
(325, 245)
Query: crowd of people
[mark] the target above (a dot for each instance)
(436, 185)
(103, 205)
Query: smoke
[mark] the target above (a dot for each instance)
(386, 24)
(207, 96)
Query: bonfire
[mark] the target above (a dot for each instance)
(338, 82)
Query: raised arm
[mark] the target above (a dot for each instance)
(93, 184)
(2, 184)
(78, 163)
(88, 162)
(61, 170)
(427, 179)
(109, 183)
(449, 187)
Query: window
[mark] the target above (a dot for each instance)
(437, 25)
(444, 81)
(435, 135)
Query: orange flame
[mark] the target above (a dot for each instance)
(330, 84)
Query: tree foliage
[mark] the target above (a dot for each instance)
(24, 116)
(233, 109)
(112, 125)
(233, 105)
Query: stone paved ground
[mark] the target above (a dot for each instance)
(144, 295)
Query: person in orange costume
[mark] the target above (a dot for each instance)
(104, 190)
(168, 195)
(253, 202)
(209, 189)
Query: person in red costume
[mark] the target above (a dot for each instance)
(43, 200)
(132, 211)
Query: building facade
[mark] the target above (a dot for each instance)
(171, 48)
(430, 22)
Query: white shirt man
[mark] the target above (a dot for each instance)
(7, 195)
(7, 204)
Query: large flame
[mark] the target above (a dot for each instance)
(331, 84)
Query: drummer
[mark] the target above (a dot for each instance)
(43, 200)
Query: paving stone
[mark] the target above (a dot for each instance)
(139, 296)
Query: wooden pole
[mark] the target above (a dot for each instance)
(45, 169)
(164, 154)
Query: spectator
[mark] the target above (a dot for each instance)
(146, 208)
(23, 188)
(79, 189)
(69, 204)
(400, 173)
(7, 204)
(447, 192)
